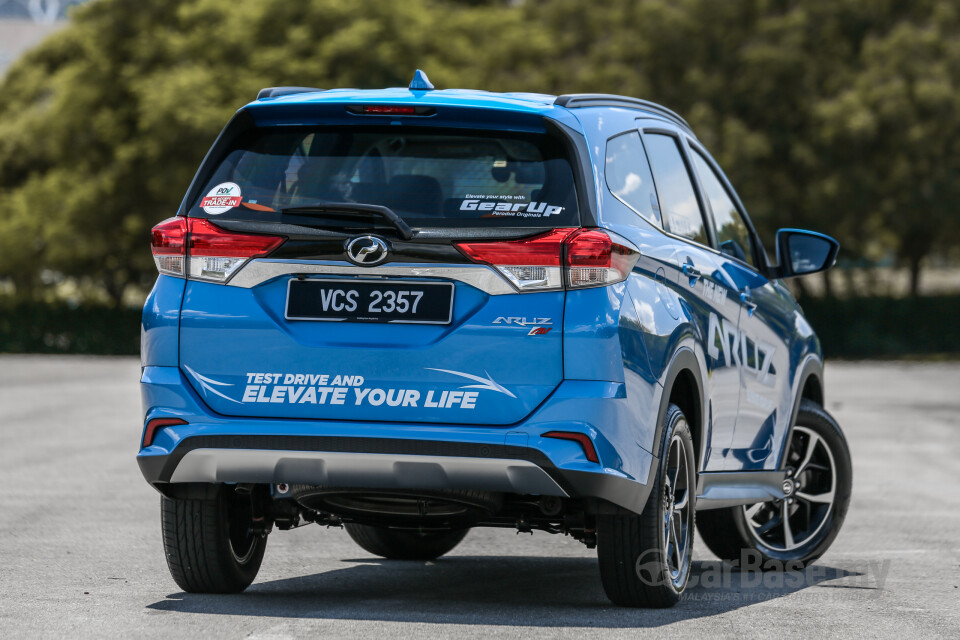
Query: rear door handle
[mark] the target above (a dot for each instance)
(691, 272)
(747, 300)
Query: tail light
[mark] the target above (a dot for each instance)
(594, 259)
(530, 264)
(169, 241)
(198, 249)
(572, 257)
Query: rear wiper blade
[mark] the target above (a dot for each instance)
(355, 209)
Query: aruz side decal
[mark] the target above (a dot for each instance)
(740, 350)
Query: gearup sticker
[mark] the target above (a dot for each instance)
(221, 198)
(507, 206)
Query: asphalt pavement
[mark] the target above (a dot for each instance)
(81, 556)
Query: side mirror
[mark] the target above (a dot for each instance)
(801, 252)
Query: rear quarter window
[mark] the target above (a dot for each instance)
(628, 175)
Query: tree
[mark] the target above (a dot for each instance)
(900, 124)
(103, 125)
(780, 91)
(837, 115)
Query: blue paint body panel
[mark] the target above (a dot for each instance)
(160, 325)
(220, 326)
(583, 406)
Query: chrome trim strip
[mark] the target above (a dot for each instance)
(365, 470)
(723, 489)
(481, 276)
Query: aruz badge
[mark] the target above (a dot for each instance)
(522, 322)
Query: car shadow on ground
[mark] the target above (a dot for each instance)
(494, 590)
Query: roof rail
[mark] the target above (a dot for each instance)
(276, 92)
(580, 100)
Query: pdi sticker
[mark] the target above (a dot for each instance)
(221, 198)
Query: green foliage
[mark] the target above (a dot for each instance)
(885, 327)
(103, 125)
(897, 127)
(56, 327)
(837, 115)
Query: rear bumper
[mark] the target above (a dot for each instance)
(516, 459)
(368, 470)
(383, 464)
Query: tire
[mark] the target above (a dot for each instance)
(645, 559)
(745, 535)
(404, 544)
(208, 543)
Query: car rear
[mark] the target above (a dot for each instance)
(361, 307)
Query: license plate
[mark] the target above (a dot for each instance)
(370, 301)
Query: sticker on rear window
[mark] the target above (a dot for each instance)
(221, 198)
(496, 206)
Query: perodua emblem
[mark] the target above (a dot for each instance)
(367, 250)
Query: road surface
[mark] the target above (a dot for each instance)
(80, 550)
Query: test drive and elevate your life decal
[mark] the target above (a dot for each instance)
(331, 389)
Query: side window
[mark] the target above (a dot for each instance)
(628, 175)
(732, 232)
(678, 200)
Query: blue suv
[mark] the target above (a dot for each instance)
(411, 312)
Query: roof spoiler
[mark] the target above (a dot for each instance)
(276, 92)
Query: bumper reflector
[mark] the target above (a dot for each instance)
(155, 425)
(585, 442)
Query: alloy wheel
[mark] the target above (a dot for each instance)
(677, 511)
(809, 491)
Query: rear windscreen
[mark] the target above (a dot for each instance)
(430, 178)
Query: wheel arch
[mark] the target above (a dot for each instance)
(809, 386)
(683, 386)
